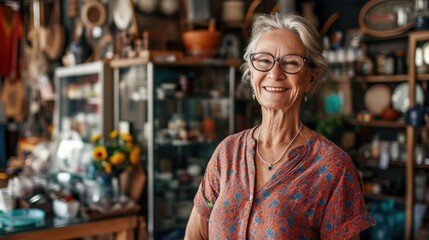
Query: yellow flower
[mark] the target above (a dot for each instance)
(108, 168)
(127, 137)
(117, 158)
(99, 153)
(95, 138)
(116, 154)
(113, 134)
(135, 156)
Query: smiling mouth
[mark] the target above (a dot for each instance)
(275, 89)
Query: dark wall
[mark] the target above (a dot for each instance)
(348, 10)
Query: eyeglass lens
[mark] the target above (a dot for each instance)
(265, 62)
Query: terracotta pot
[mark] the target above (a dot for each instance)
(201, 43)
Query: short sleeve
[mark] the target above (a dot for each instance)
(345, 213)
(209, 187)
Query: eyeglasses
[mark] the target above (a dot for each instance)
(290, 63)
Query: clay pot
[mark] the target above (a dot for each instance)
(201, 43)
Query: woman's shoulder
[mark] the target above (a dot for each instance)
(229, 146)
(324, 145)
(330, 152)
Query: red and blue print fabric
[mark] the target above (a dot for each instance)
(315, 194)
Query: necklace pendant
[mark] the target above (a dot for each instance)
(270, 167)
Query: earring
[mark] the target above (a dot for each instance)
(305, 98)
(253, 95)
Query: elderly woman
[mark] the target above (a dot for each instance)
(280, 180)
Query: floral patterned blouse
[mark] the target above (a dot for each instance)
(316, 194)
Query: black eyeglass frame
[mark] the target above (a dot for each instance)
(304, 60)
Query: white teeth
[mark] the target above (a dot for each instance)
(275, 89)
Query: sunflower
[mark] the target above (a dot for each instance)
(135, 155)
(118, 153)
(99, 153)
(117, 158)
(127, 137)
(95, 138)
(113, 134)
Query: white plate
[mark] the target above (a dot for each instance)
(147, 6)
(122, 14)
(400, 99)
(377, 98)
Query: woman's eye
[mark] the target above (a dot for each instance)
(266, 61)
(290, 63)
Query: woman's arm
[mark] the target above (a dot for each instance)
(197, 228)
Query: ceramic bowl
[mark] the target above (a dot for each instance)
(22, 217)
(201, 43)
(64, 209)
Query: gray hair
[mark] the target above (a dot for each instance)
(308, 34)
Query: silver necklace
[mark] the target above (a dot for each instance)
(270, 167)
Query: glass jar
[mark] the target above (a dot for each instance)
(389, 64)
(394, 151)
(419, 154)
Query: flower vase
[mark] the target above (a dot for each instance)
(124, 182)
(107, 193)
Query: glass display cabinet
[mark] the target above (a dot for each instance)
(84, 100)
(179, 112)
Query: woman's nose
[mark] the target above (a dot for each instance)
(276, 72)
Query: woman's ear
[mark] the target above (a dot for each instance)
(313, 77)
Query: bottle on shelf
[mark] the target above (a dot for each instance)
(208, 123)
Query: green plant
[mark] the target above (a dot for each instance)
(328, 125)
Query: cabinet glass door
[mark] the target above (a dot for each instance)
(192, 113)
(179, 112)
(132, 101)
(84, 99)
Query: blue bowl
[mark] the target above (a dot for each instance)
(22, 217)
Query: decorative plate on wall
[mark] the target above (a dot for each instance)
(377, 98)
(400, 99)
(147, 6)
(384, 18)
(122, 14)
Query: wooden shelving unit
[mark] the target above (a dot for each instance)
(377, 123)
(382, 78)
(409, 165)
